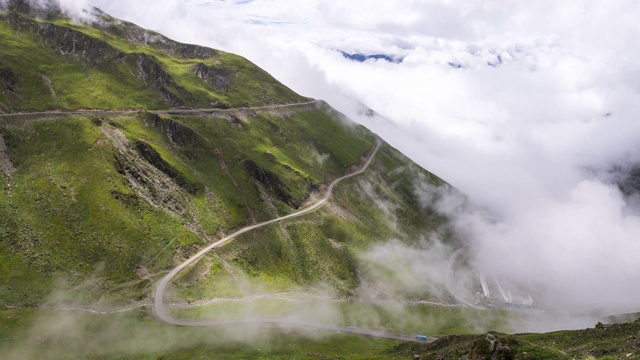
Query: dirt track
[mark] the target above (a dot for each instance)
(162, 313)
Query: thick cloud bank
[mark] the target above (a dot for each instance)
(525, 107)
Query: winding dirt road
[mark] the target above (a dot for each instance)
(162, 313)
(158, 301)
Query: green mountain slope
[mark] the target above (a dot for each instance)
(114, 197)
(106, 202)
(54, 63)
(97, 205)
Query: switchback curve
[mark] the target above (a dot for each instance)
(162, 313)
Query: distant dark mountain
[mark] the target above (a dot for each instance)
(364, 57)
(629, 183)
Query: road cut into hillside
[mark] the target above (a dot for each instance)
(162, 313)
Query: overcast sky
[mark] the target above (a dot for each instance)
(524, 106)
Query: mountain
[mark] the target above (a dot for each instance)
(359, 57)
(54, 63)
(123, 153)
(113, 173)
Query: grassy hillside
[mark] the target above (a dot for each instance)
(104, 203)
(107, 197)
(613, 341)
(96, 206)
(53, 63)
(137, 335)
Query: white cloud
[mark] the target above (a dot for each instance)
(522, 127)
(77, 9)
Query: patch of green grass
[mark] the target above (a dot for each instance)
(68, 198)
(253, 85)
(136, 335)
(295, 255)
(28, 334)
(478, 347)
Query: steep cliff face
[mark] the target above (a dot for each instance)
(149, 72)
(177, 133)
(218, 77)
(270, 181)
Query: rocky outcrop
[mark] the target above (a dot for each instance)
(6, 167)
(177, 133)
(8, 80)
(218, 77)
(150, 72)
(147, 175)
(42, 8)
(9, 84)
(75, 43)
(140, 36)
(189, 51)
(488, 347)
(98, 53)
(149, 183)
(270, 181)
(154, 158)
